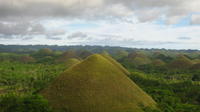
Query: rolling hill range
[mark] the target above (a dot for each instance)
(96, 84)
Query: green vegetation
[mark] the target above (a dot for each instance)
(71, 62)
(26, 78)
(171, 96)
(65, 56)
(83, 54)
(30, 103)
(170, 77)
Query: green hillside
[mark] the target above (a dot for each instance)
(181, 62)
(96, 85)
(72, 61)
(137, 59)
(84, 54)
(66, 55)
(158, 62)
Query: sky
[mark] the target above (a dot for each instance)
(171, 24)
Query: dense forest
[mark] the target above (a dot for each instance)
(170, 77)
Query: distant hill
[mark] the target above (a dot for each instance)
(138, 58)
(72, 61)
(96, 84)
(158, 62)
(181, 62)
(66, 55)
(83, 54)
(26, 59)
(94, 49)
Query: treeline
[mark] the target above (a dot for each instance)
(95, 49)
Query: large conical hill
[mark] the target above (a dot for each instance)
(96, 85)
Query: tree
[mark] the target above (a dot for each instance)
(196, 77)
(31, 103)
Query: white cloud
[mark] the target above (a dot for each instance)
(195, 19)
(184, 38)
(77, 35)
(145, 10)
(116, 22)
(22, 29)
(25, 30)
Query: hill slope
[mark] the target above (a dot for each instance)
(181, 62)
(119, 66)
(96, 85)
(72, 61)
(66, 55)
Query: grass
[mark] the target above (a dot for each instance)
(96, 85)
(119, 66)
(71, 62)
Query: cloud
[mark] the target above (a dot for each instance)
(144, 10)
(195, 19)
(172, 10)
(110, 36)
(47, 8)
(21, 29)
(26, 30)
(129, 43)
(141, 35)
(184, 38)
(110, 22)
(78, 35)
(56, 32)
(36, 29)
(13, 29)
(54, 38)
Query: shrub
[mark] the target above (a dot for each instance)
(29, 103)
